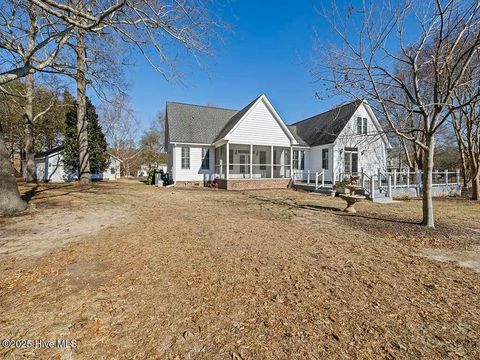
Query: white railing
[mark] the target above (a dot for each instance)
(385, 182)
(408, 179)
(307, 176)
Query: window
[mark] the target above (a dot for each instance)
(325, 159)
(362, 126)
(263, 160)
(351, 160)
(205, 158)
(112, 171)
(185, 157)
(298, 160)
(230, 159)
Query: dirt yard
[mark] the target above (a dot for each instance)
(136, 272)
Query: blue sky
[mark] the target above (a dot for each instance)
(263, 54)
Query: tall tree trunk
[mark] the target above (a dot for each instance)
(30, 173)
(476, 187)
(428, 155)
(10, 200)
(82, 122)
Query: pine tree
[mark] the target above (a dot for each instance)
(97, 143)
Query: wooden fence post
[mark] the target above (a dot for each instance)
(394, 178)
(308, 177)
(408, 178)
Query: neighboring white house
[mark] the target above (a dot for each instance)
(143, 170)
(254, 148)
(49, 168)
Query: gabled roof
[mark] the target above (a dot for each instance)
(235, 119)
(324, 128)
(199, 124)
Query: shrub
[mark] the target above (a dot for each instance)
(151, 176)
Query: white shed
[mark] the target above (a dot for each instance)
(49, 168)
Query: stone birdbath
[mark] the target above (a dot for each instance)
(352, 198)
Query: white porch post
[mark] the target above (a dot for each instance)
(251, 161)
(227, 171)
(291, 162)
(271, 162)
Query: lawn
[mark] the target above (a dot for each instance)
(137, 272)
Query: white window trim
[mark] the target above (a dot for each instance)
(183, 157)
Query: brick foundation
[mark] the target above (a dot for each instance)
(189, 183)
(254, 184)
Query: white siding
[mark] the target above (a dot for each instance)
(51, 169)
(114, 165)
(259, 127)
(195, 173)
(316, 160)
(371, 147)
(55, 171)
(170, 158)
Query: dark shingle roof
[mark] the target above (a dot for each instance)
(195, 123)
(48, 152)
(323, 128)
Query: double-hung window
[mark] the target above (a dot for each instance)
(185, 157)
(351, 160)
(362, 126)
(298, 160)
(205, 158)
(325, 159)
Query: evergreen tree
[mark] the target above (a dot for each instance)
(97, 144)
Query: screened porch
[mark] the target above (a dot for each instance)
(252, 162)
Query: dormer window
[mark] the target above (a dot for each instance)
(362, 126)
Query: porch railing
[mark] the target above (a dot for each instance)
(385, 182)
(309, 177)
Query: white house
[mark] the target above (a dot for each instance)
(144, 168)
(49, 168)
(254, 148)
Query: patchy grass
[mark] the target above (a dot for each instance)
(182, 273)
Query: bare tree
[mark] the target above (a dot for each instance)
(373, 56)
(466, 125)
(120, 126)
(159, 30)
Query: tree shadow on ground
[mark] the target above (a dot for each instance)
(35, 191)
(320, 208)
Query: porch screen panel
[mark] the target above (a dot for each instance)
(263, 160)
(261, 167)
(281, 162)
